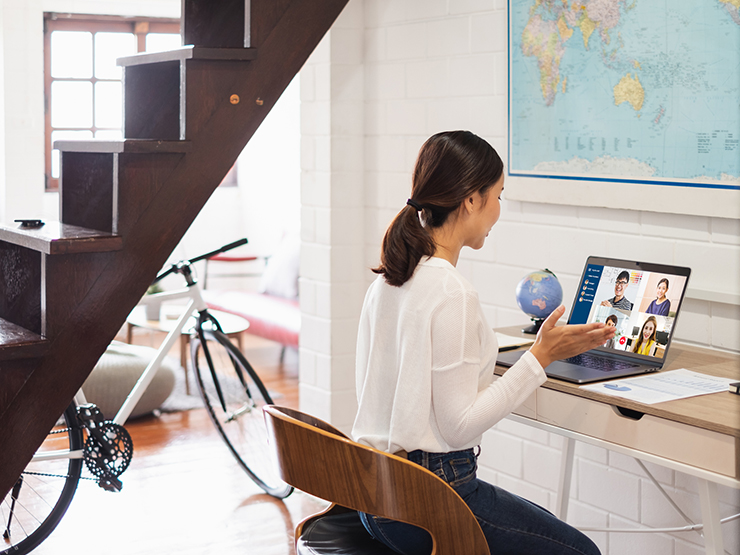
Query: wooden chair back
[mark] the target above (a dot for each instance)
(318, 459)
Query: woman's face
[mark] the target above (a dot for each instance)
(610, 324)
(662, 288)
(647, 330)
(486, 212)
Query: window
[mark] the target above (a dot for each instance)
(82, 83)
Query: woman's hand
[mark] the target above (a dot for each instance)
(555, 343)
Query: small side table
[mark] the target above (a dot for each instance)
(232, 325)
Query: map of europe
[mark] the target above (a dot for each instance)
(628, 89)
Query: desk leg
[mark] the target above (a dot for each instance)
(566, 474)
(713, 542)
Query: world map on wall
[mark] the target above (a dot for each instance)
(629, 89)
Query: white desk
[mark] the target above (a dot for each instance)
(699, 436)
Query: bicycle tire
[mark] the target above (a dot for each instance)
(242, 426)
(46, 492)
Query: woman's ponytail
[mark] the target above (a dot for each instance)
(406, 241)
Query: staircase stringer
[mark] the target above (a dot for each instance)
(99, 316)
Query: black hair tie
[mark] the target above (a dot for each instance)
(418, 207)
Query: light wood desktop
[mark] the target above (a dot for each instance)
(699, 436)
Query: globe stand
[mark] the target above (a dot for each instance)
(535, 327)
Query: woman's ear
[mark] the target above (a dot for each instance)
(470, 204)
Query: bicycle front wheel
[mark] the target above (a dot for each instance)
(237, 410)
(37, 502)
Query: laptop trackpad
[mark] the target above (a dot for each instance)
(566, 371)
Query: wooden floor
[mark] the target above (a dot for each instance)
(183, 493)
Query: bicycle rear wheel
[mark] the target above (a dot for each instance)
(242, 424)
(35, 505)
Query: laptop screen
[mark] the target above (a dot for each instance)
(641, 300)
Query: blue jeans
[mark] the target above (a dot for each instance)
(510, 523)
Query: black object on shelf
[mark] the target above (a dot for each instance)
(30, 223)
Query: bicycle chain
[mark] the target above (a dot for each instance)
(47, 475)
(105, 467)
(65, 476)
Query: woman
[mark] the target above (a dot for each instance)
(646, 339)
(425, 354)
(660, 306)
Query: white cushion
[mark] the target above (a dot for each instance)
(280, 277)
(118, 370)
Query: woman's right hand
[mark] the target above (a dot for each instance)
(559, 342)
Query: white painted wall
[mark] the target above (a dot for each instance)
(431, 65)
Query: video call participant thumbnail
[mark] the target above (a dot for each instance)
(619, 300)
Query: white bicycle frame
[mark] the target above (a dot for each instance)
(195, 303)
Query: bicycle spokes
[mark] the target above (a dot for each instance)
(237, 411)
(244, 409)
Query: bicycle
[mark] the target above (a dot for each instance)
(231, 390)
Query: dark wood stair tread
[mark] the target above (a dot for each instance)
(17, 342)
(145, 146)
(59, 238)
(190, 53)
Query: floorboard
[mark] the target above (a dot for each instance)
(183, 492)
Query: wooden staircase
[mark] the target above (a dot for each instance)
(67, 287)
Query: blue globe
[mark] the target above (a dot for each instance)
(538, 294)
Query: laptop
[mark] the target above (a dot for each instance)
(642, 300)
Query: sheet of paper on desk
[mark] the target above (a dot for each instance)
(506, 342)
(662, 386)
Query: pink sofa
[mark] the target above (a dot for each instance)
(273, 312)
(269, 317)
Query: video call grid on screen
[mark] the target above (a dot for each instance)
(633, 308)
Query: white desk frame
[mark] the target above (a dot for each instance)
(714, 544)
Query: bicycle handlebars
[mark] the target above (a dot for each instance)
(177, 265)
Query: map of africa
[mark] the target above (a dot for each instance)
(627, 89)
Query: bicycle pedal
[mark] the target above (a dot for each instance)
(110, 483)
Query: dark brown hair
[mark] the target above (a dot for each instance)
(450, 167)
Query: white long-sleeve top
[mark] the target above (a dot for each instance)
(425, 361)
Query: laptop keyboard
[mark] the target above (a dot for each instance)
(600, 363)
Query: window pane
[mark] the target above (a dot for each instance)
(158, 42)
(71, 54)
(61, 136)
(108, 47)
(108, 104)
(71, 104)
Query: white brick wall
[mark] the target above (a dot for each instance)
(431, 65)
(332, 279)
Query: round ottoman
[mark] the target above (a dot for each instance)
(117, 371)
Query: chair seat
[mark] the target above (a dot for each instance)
(339, 534)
